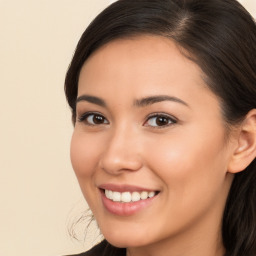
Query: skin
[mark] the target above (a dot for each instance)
(186, 159)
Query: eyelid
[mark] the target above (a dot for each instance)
(82, 117)
(173, 120)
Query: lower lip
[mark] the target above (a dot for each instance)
(125, 209)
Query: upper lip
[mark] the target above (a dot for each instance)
(124, 188)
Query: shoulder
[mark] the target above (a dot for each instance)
(103, 249)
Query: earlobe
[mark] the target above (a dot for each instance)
(245, 151)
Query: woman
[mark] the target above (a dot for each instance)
(163, 99)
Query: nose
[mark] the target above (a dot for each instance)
(122, 153)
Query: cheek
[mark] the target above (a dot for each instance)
(189, 163)
(193, 174)
(83, 153)
(84, 158)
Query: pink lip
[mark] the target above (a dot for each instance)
(124, 209)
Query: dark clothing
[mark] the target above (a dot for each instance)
(104, 249)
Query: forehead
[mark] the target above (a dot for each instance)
(145, 64)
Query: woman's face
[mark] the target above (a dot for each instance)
(150, 134)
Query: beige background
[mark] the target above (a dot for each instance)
(39, 194)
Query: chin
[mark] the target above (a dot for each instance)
(126, 239)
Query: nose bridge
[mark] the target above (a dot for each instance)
(122, 151)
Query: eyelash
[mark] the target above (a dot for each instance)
(83, 118)
(171, 120)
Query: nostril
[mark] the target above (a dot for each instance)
(114, 164)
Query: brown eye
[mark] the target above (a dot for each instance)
(97, 119)
(160, 121)
(93, 119)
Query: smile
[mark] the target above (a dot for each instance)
(127, 197)
(126, 200)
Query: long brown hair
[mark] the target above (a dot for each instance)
(220, 36)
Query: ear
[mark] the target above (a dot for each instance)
(245, 149)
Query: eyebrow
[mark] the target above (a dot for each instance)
(158, 98)
(138, 103)
(92, 99)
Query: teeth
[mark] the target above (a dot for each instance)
(151, 194)
(144, 195)
(127, 197)
(116, 197)
(135, 196)
(110, 194)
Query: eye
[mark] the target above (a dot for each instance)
(93, 119)
(160, 120)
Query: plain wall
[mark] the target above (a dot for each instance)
(39, 194)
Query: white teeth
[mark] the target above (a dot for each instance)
(151, 194)
(144, 195)
(116, 196)
(110, 194)
(127, 197)
(135, 196)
